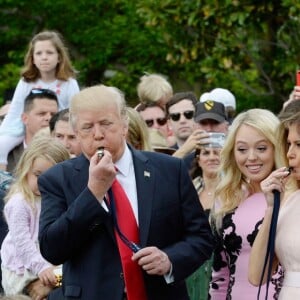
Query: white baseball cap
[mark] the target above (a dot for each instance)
(204, 97)
(220, 95)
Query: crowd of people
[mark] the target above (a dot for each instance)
(170, 199)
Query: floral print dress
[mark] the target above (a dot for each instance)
(231, 257)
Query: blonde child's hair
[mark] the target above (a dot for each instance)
(233, 186)
(40, 147)
(153, 87)
(64, 68)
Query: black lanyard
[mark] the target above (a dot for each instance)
(133, 246)
(271, 244)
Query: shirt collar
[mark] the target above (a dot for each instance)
(123, 164)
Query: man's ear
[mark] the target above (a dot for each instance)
(24, 118)
(125, 129)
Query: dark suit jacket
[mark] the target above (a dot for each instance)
(77, 232)
(3, 229)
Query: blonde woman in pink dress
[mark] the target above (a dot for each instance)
(248, 157)
(287, 240)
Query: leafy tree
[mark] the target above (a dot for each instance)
(101, 36)
(250, 47)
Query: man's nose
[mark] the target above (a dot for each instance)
(48, 116)
(98, 132)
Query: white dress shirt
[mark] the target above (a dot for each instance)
(126, 178)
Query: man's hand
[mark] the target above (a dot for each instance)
(294, 95)
(101, 174)
(197, 139)
(38, 291)
(153, 261)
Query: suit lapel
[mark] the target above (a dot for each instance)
(145, 180)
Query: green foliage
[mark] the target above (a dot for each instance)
(9, 75)
(251, 48)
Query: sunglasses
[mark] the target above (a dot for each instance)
(189, 114)
(37, 91)
(159, 121)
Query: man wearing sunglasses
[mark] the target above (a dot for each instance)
(181, 110)
(154, 116)
(39, 106)
(191, 122)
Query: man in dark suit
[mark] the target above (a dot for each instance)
(78, 222)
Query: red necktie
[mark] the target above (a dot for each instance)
(134, 282)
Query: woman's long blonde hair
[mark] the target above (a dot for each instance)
(233, 186)
(40, 147)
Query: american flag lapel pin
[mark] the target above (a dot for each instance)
(147, 174)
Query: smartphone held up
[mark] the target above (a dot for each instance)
(215, 140)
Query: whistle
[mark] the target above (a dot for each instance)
(100, 152)
(289, 169)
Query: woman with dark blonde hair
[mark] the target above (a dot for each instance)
(285, 181)
(204, 172)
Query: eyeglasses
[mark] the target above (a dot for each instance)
(37, 91)
(159, 121)
(189, 114)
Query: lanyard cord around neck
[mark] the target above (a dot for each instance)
(133, 246)
(271, 244)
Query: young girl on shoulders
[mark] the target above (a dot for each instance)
(46, 65)
(22, 262)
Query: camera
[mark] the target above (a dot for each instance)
(215, 140)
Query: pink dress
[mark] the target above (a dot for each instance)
(231, 257)
(287, 246)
